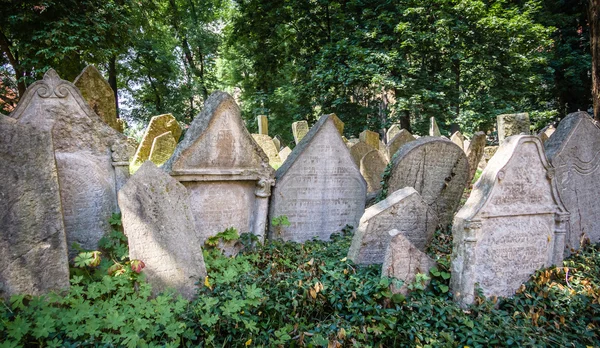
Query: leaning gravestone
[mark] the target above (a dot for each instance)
(403, 210)
(319, 188)
(263, 124)
(82, 148)
(574, 151)
(358, 150)
(434, 130)
(391, 133)
(33, 245)
(396, 143)
(437, 169)
(458, 139)
(163, 147)
(284, 153)
(299, 130)
(226, 173)
(372, 166)
(277, 141)
(160, 229)
(475, 153)
(370, 138)
(158, 126)
(268, 146)
(512, 124)
(488, 153)
(512, 224)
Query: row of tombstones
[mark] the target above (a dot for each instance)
(63, 168)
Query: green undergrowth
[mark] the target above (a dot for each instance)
(295, 295)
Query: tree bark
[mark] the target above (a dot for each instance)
(14, 61)
(593, 20)
(112, 80)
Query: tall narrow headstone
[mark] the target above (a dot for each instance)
(574, 151)
(475, 153)
(158, 126)
(339, 124)
(358, 150)
(391, 133)
(434, 130)
(163, 147)
(263, 124)
(396, 143)
(284, 153)
(370, 138)
(319, 187)
(268, 146)
(277, 142)
(372, 166)
(458, 139)
(160, 229)
(299, 129)
(512, 124)
(512, 224)
(99, 95)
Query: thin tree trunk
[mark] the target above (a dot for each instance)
(112, 80)
(593, 8)
(14, 61)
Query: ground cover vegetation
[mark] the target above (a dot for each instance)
(289, 294)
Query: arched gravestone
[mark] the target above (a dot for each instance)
(318, 187)
(401, 138)
(226, 173)
(574, 151)
(437, 169)
(512, 224)
(82, 147)
(372, 166)
(358, 150)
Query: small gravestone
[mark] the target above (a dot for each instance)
(391, 133)
(299, 130)
(372, 166)
(546, 133)
(403, 210)
(284, 153)
(263, 124)
(370, 138)
(122, 154)
(488, 153)
(475, 153)
(160, 229)
(512, 224)
(339, 124)
(268, 146)
(458, 139)
(396, 143)
(358, 150)
(434, 130)
(158, 126)
(574, 151)
(403, 261)
(437, 169)
(99, 95)
(318, 188)
(277, 142)
(163, 147)
(33, 247)
(512, 124)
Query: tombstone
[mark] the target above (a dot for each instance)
(437, 169)
(299, 129)
(512, 224)
(466, 145)
(458, 139)
(403, 261)
(574, 151)
(33, 245)
(226, 173)
(370, 138)
(488, 153)
(512, 124)
(403, 210)
(434, 130)
(163, 147)
(358, 150)
(546, 133)
(277, 141)
(160, 229)
(391, 133)
(319, 187)
(372, 166)
(99, 95)
(284, 153)
(263, 124)
(122, 155)
(396, 143)
(158, 125)
(268, 146)
(339, 124)
(82, 148)
(475, 153)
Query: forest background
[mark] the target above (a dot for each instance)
(371, 62)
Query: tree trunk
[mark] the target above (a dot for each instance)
(593, 8)
(112, 79)
(14, 61)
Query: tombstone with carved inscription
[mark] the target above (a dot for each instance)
(319, 187)
(158, 126)
(299, 130)
(512, 224)
(268, 146)
(358, 150)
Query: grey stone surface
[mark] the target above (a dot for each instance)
(319, 187)
(358, 150)
(396, 143)
(391, 133)
(434, 130)
(163, 147)
(458, 139)
(370, 138)
(160, 228)
(372, 166)
(546, 133)
(33, 245)
(475, 152)
(299, 130)
(403, 210)
(512, 224)
(158, 126)
(99, 95)
(574, 151)
(437, 169)
(268, 146)
(512, 124)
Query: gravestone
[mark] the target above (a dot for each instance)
(263, 124)
(370, 138)
(339, 124)
(512, 224)
(122, 155)
(458, 139)
(391, 133)
(358, 150)
(437, 169)
(372, 166)
(512, 124)
(434, 130)
(268, 146)
(488, 153)
(82, 148)
(99, 95)
(160, 229)
(277, 142)
(319, 187)
(158, 126)
(226, 173)
(33, 245)
(163, 147)
(403, 210)
(546, 133)
(403, 261)
(396, 143)
(284, 153)
(574, 151)
(299, 130)
(475, 153)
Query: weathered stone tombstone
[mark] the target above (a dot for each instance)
(358, 150)
(404, 210)
(263, 124)
(33, 245)
(122, 155)
(370, 138)
(160, 229)
(512, 224)
(277, 141)
(574, 151)
(268, 146)
(163, 147)
(339, 124)
(319, 187)
(99, 95)
(434, 130)
(458, 139)
(391, 133)
(546, 133)
(372, 166)
(396, 143)
(226, 173)
(488, 153)
(299, 130)
(284, 153)
(158, 126)
(82, 148)
(475, 153)
(437, 169)
(512, 124)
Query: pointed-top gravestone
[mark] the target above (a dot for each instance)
(299, 129)
(434, 130)
(396, 143)
(475, 153)
(226, 173)
(319, 188)
(458, 139)
(158, 126)
(512, 224)
(82, 148)
(512, 124)
(99, 95)
(263, 124)
(574, 151)
(391, 133)
(370, 138)
(277, 141)
(372, 166)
